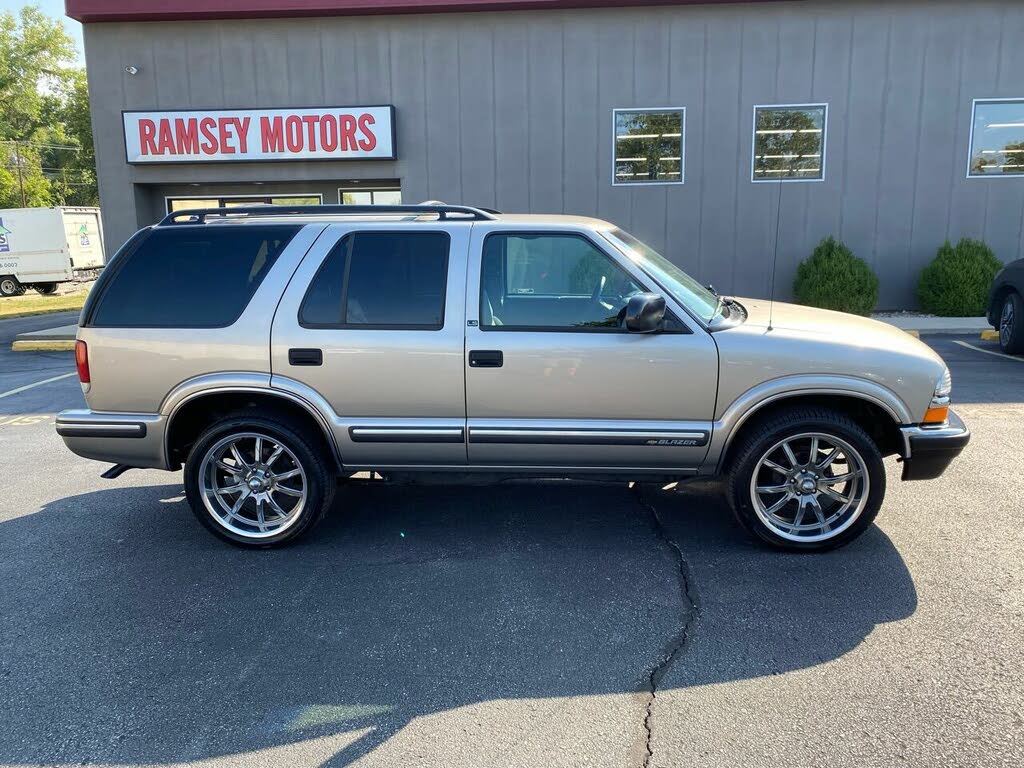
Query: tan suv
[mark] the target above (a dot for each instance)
(272, 351)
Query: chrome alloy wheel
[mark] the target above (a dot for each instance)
(252, 485)
(1006, 322)
(809, 487)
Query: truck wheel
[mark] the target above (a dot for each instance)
(9, 286)
(257, 482)
(1011, 325)
(45, 288)
(806, 479)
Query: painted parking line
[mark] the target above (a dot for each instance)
(976, 349)
(35, 384)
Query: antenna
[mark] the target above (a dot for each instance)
(775, 259)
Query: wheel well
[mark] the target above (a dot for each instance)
(871, 417)
(189, 421)
(997, 300)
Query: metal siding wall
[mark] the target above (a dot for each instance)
(514, 110)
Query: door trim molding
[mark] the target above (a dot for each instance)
(585, 436)
(381, 434)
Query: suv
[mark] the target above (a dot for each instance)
(273, 351)
(1006, 307)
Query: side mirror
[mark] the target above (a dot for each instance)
(645, 313)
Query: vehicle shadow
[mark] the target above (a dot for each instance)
(129, 635)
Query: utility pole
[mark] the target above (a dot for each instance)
(21, 178)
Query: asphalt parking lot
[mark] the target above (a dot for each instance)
(520, 625)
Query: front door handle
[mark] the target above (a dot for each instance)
(305, 357)
(486, 358)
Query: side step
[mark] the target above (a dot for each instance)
(116, 471)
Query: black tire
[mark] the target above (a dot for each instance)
(9, 286)
(45, 288)
(1011, 328)
(760, 439)
(318, 479)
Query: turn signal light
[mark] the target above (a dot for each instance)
(936, 414)
(82, 361)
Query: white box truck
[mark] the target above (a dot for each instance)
(40, 247)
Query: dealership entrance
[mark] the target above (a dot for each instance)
(161, 199)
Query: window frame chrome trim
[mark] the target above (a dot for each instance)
(753, 142)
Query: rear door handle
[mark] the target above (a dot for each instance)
(305, 357)
(486, 358)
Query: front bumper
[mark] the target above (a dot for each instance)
(929, 450)
(135, 439)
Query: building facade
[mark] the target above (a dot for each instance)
(720, 133)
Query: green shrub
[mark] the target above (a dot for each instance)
(956, 283)
(833, 278)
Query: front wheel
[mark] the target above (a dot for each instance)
(257, 482)
(1011, 325)
(45, 288)
(807, 480)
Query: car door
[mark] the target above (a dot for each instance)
(371, 329)
(551, 378)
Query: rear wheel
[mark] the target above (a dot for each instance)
(257, 482)
(9, 286)
(1011, 325)
(807, 480)
(45, 288)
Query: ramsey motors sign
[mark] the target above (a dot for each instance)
(260, 135)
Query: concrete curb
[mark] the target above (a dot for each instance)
(42, 346)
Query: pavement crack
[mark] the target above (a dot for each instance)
(673, 649)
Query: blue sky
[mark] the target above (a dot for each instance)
(54, 8)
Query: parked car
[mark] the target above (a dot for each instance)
(1006, 307)
(41, 247)
(273, 351)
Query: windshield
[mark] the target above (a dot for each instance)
(691, 294)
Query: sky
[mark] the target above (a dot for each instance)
(55, 9)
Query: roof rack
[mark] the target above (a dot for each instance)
(443, 212)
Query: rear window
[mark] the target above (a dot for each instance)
(190, 277)
(380, 280)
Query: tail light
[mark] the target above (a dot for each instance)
(82, 361)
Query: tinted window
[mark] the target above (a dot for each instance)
(190, 277)
(382, 280)
(551, 281)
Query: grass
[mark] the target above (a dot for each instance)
(32, 303)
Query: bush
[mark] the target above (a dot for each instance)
(833, 278)
(956, 283)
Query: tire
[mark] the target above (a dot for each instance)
(9, 286)
(787, 518)
(45, 288)
(1011, 324)
(303, 495)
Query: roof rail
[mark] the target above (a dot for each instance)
(443, 212)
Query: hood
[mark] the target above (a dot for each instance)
(834, 326)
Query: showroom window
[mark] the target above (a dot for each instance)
(649, 146)
(387, 196)
(789, 142)
(997, 138)
(175, 204)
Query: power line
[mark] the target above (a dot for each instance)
(18, 142)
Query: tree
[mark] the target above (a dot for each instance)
(46, 148)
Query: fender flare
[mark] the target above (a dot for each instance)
(758, 397)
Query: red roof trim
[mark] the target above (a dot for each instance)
(88, 11)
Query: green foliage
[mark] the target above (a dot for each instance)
(833, 278)
(956, 283)
(46, 150)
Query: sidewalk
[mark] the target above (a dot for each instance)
(63, 337)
